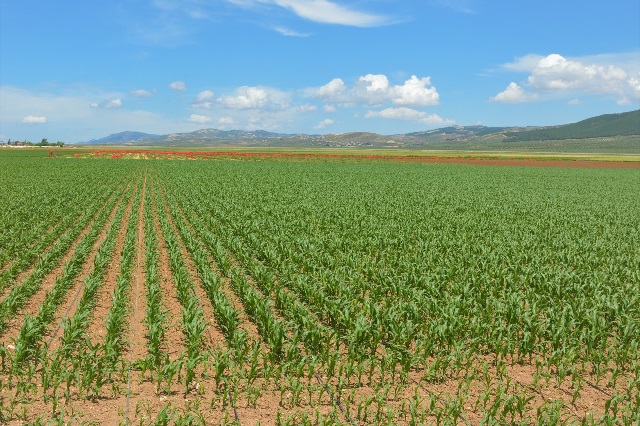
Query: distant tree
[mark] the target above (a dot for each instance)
(60, 144)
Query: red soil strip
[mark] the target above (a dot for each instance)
(479, 161)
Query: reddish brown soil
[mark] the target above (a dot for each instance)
(136, 323)
(173, 331)
(484, 161)
(212, 330)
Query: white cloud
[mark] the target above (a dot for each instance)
(573, 102)
(555, 74)
(248, 97)
(307, 108)
(327, 12)
(514, 94)
(332, 90)
(374, 89)
(31, 119)
(408, 114)
(225, 120)
(290, 33)
(329, 108)
(178, 85)
(324, 123)
(199, 119)
(375, 82)
(141, 93)
(113, 103)
(414, 92)
(107, 104)
(204, 99)
(525, 63)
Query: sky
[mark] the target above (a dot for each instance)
(73, 71)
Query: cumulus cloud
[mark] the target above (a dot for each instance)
(141, 93)
(204, 99)
(514, 94)
(415, 92)
(248, 97)
(408, 114)
(225, 120)
(324, 123)
(555, 74)
(178, 85)
(375, 89)
(329, 108)
(32, 119)
(333, 90)
(199, 119)
(375, 82)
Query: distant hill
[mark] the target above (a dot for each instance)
(623, 124)
(121, 137)
(614, 133)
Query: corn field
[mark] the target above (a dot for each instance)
(335, 292)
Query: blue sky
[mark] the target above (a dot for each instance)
(74, 71)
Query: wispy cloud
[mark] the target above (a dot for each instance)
(321, 11)
(32, 119)
(178, 85)
(409, 114)
(199, 119)
(141, 93)
(290, 33)
(107, 104)
(327, 12)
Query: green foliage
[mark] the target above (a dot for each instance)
(354, 287)
(608, 125)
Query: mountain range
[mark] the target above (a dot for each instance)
(605, 133)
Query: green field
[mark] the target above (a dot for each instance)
(316, 292)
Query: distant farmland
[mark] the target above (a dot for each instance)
(316, 290)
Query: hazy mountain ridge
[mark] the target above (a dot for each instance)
(621, 127)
